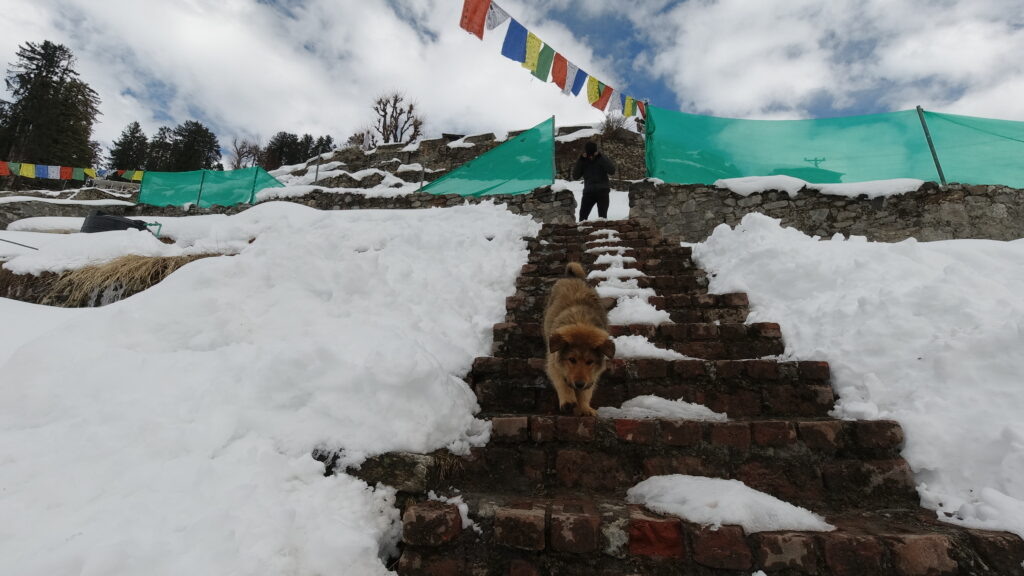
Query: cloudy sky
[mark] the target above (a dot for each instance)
(255, 67)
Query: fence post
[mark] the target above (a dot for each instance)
(202, 180)
(554, 150)
(931, 145)
(252, 195)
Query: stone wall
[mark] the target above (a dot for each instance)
(691, 212)
(543, 204)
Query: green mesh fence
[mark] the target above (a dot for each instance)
(687, 148)
(204, 188)
(518, 166)
(978, 150)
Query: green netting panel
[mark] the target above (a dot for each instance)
(204, 187)
(978, 150)
(686, 148)
(518, 166)
(170, 188)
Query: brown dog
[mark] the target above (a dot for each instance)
(578, 344)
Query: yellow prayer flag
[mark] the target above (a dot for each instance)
(27, 170)
(137, 177)
(630, 107)
(593, 89)
(533, 46)
(90, 172)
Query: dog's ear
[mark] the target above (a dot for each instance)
(608, 348)
(556, 343)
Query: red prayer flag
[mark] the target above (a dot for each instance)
(4, 170)
(606, 95)
(642, 107)
(66, 172)
(474, 16)
(559, 68)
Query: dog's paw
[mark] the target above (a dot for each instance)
(567, 408)
(585, 411)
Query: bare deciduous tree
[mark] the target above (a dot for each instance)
(244, 152)
(364, 139)
(397, 121)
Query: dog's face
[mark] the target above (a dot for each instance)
(582, 352)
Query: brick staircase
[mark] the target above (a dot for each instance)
(546, 495)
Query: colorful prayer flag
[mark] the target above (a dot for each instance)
(642, 107)
(615, 102)
(474, 16)
(15, 168)
(90, 172)
(559, 69)
(78, 174)
(496, 16)
(27, 170)
(514, 47)
(547, 54)
(602, 100)
(4, 170)
(53, 172)
(581, 79)
(138, 176)
(629, 108)
(40, 171)
(65, 172)
(593, 89)
(533, 44)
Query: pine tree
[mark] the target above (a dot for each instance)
(130, 150)
(193, 147)
(158, 158)
(50, 119)
(282, 149)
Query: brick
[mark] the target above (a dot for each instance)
(702, 331)
(489, 365)
(414, 563)
(637, 431)
(848, 555)
(823, 436)
(733, 331)
(734, 300)
(922, 555)
(734, 435)
(798, 484)
(725, 548)
(741, 404)
(664, 465)
(676, 332)
(575, 429)
(534, 464)
(706, 350)
(763, 369)
(774, 434)
(681, 433)
(1003, 551)
(510, 428)
(430, 523)
(580, 469)
(650, 368)
(575, 528)
(730, 369)
(689, 369)
(815, 371)
(879, 435)
(765, 330)
(521, 528)
(542, 429)
(654, 535)
(786, 551)
(520, 567)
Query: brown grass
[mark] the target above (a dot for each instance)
(117, 279)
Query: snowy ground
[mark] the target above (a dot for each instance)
(171, 433)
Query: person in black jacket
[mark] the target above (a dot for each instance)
(594, 168)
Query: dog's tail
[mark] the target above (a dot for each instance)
(575, 269)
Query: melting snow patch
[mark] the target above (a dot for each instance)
(715, 502)
(636, 310)
(657, 407)
(636, 346)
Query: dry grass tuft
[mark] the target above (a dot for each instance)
(112, 281)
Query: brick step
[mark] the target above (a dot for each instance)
(555, 267)
(580, 535)
(682, 308)
(700, 340)
(569, 253)
(820, 463)
(739, 388)
(694, 282)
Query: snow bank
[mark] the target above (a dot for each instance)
(657, 407)
(170, 433)
(928, 334)
(636, 310)
(792, 186)
(640, 347)
(715, 502)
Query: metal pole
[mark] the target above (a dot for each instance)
(202, 181)
(316, 176)
(252, 195)
(554, 150)
(17, 244)
(931, 145)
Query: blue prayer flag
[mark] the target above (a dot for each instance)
(514, 47)
(577, 84)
